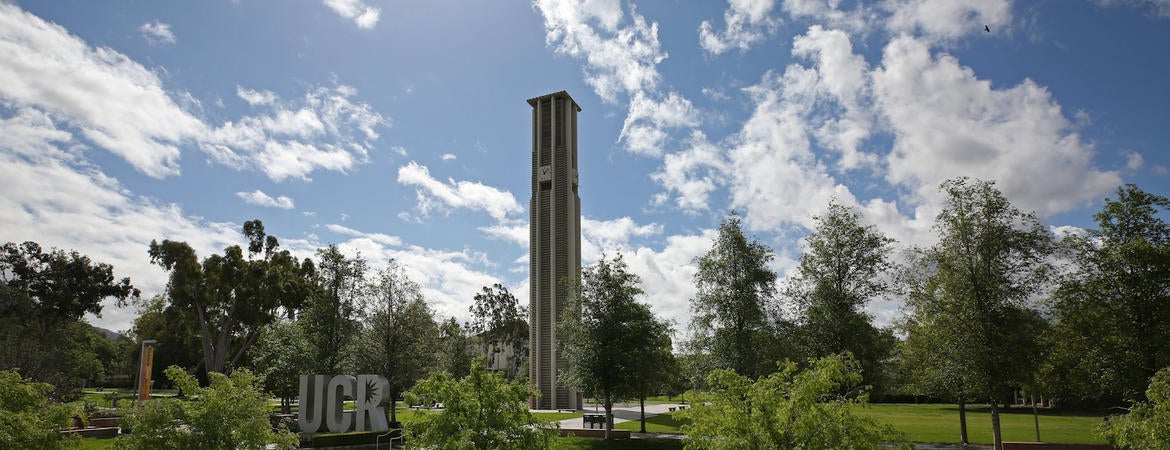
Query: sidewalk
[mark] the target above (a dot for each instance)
(622, 412)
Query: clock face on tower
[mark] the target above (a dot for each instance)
(544, 173)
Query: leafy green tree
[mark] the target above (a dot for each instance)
(330, 319)
(232, 296)
(788, 409)
(43, 297)
(27, 420)
(654, 363)
(481, 411)
(455, 353)
(281, 355)
(842, 269)
(970, 301)
(497, 316)
(231, 413)
(1112, 311)
(736, 291)
(1147, 426)
(401, 335)
(603, 332)
(174, 328)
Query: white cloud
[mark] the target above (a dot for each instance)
(291, 139)
(380, 238)
(668, 275)
(829, 12)
(609, 236)
(947, 123)
(157, 33)
(362, 15)
(259, 198)
(747, 23)
(618, 60)
(945, 20)
(115, 103)
(256, 97)
(448, 157)
(1134, 161)
(400, 150)
(693, 173)
(515, 232)
(456, 194)
(644, 131)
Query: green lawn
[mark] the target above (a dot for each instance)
(96, 443)
(940, 423)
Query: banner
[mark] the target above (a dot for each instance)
(147, 366)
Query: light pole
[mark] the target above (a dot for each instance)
(141, 366)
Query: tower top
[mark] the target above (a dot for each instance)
(560, 94)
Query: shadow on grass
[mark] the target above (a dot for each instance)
(579, 443)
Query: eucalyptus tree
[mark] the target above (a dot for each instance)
(233, 296)
(845, 265)
(971, 299)
(330, 318)
(736, 293)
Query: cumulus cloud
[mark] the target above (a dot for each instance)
(435, 194)
(362, 15)
(255, 98)
(157, 33)
(747, 22)
(945, 20)
(380, 238)
(645, 128)
(259, 198)
(116, 103)
(947, 123)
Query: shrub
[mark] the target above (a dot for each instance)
(1147, 426)
(231, 413)
(808, 409)
(27, 420)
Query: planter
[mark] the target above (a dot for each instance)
(103, 422)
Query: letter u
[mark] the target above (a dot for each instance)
(311, 413)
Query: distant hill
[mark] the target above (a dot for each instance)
(111, 335)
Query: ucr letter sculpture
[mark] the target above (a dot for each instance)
(323, 402)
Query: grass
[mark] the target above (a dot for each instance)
(940, 423)
(97, 443)
(662, 424)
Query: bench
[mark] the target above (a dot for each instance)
(590, 419)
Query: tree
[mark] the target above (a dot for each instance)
(498, 317)
(788, 409)
(480, 411)
(176, 331)
(400, 339)
(455, 354)
(971, 301)
(281, 355)
(232, 412)
(1147, 425)
(43, 298)
(840, 272)
(736, 290)
(232, 296)
(330, 318)
(603, 332)
(653, 357)
(27, 420)
(1112, 311)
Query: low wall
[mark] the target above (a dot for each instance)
(1053, 446)
(595, 432)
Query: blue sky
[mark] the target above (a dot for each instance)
(399, 129)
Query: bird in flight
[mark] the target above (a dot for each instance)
(986, 28)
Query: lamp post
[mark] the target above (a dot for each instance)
(141, 369)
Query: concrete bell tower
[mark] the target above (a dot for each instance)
(555, 241)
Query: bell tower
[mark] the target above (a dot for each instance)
(554, 241)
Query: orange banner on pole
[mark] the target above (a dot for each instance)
(147, 365)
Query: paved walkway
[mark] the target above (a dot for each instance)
(622, 412)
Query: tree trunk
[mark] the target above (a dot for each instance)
(963, 422)
(998, 439)
(608, 421)
(642, 404)
(1036, 418)
(393, 409)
